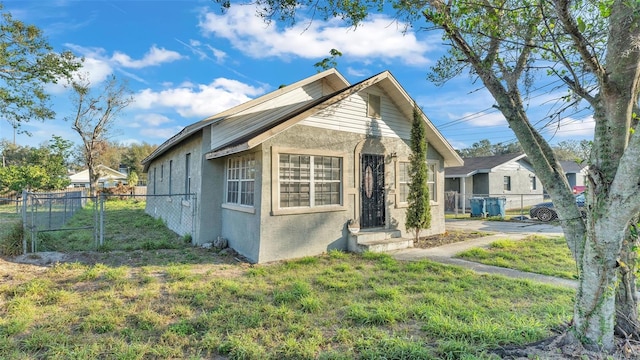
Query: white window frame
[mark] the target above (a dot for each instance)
(432, 182)
(276, 209)
(506, 183)
(241, 169)
(403, 182)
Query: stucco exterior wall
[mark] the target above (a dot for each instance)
(241, 225)
(295, 232)
(521, 193)
(168, 176)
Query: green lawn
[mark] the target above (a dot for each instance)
(338, 306)
(193, 303)
(536, 254)
(126, 227)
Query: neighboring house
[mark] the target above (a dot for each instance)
(510, 176)
(108, 177)
(576, 175)
(289, 174)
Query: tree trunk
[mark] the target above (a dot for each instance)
(627, 324)
(595, 304)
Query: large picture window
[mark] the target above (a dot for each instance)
(309, 181)
(241, 172)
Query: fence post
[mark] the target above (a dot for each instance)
(102, 198)
(24, 222)
(193, 218)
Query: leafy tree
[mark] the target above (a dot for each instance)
(132, 178)
(27, 62)
(13, 154)
(592, 48)
(573, 150)
(94, 118)
(485, 148)
(419, 209)
(43, 168)
(328, 62)
(133, 155)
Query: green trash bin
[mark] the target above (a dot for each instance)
(477, 207)
(495, 206)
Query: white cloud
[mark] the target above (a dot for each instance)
(161, 133)
(154, 57)
(357, 72)
(485, 119)
(190, 100)
(151, 119)
(379, 36)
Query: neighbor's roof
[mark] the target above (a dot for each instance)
(481, 164)
(571, 166)
(106, 173)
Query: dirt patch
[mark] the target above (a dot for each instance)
(558, 347)
(136, 258)
(448, 237)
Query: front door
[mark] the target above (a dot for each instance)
(372, 191)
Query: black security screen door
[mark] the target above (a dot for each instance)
(372, 191)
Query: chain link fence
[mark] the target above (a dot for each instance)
(147, 221)
(73, 221)
(10, 224)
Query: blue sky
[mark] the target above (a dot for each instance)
(185, 61)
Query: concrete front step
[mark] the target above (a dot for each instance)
(378, 241)
(386, 245)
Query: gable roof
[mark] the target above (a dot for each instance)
(273, 121)
(571, 167)
(106, 174)
(481, 164)
(332, 76)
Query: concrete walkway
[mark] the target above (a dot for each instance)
(501, 230)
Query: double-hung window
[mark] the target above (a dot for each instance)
(404, 180)
(309, 181)
(507, 183)
(431, 182)
(241, 174)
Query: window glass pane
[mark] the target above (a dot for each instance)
(240, 183)
(296, 180)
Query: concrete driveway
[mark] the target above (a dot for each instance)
(505, 227)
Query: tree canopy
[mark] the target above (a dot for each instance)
(30, 168)
(27, 63)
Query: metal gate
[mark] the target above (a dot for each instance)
(50, 211)
(372, 191)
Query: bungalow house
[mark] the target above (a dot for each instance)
(317, 165)
(108, 178)
(509, 176)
